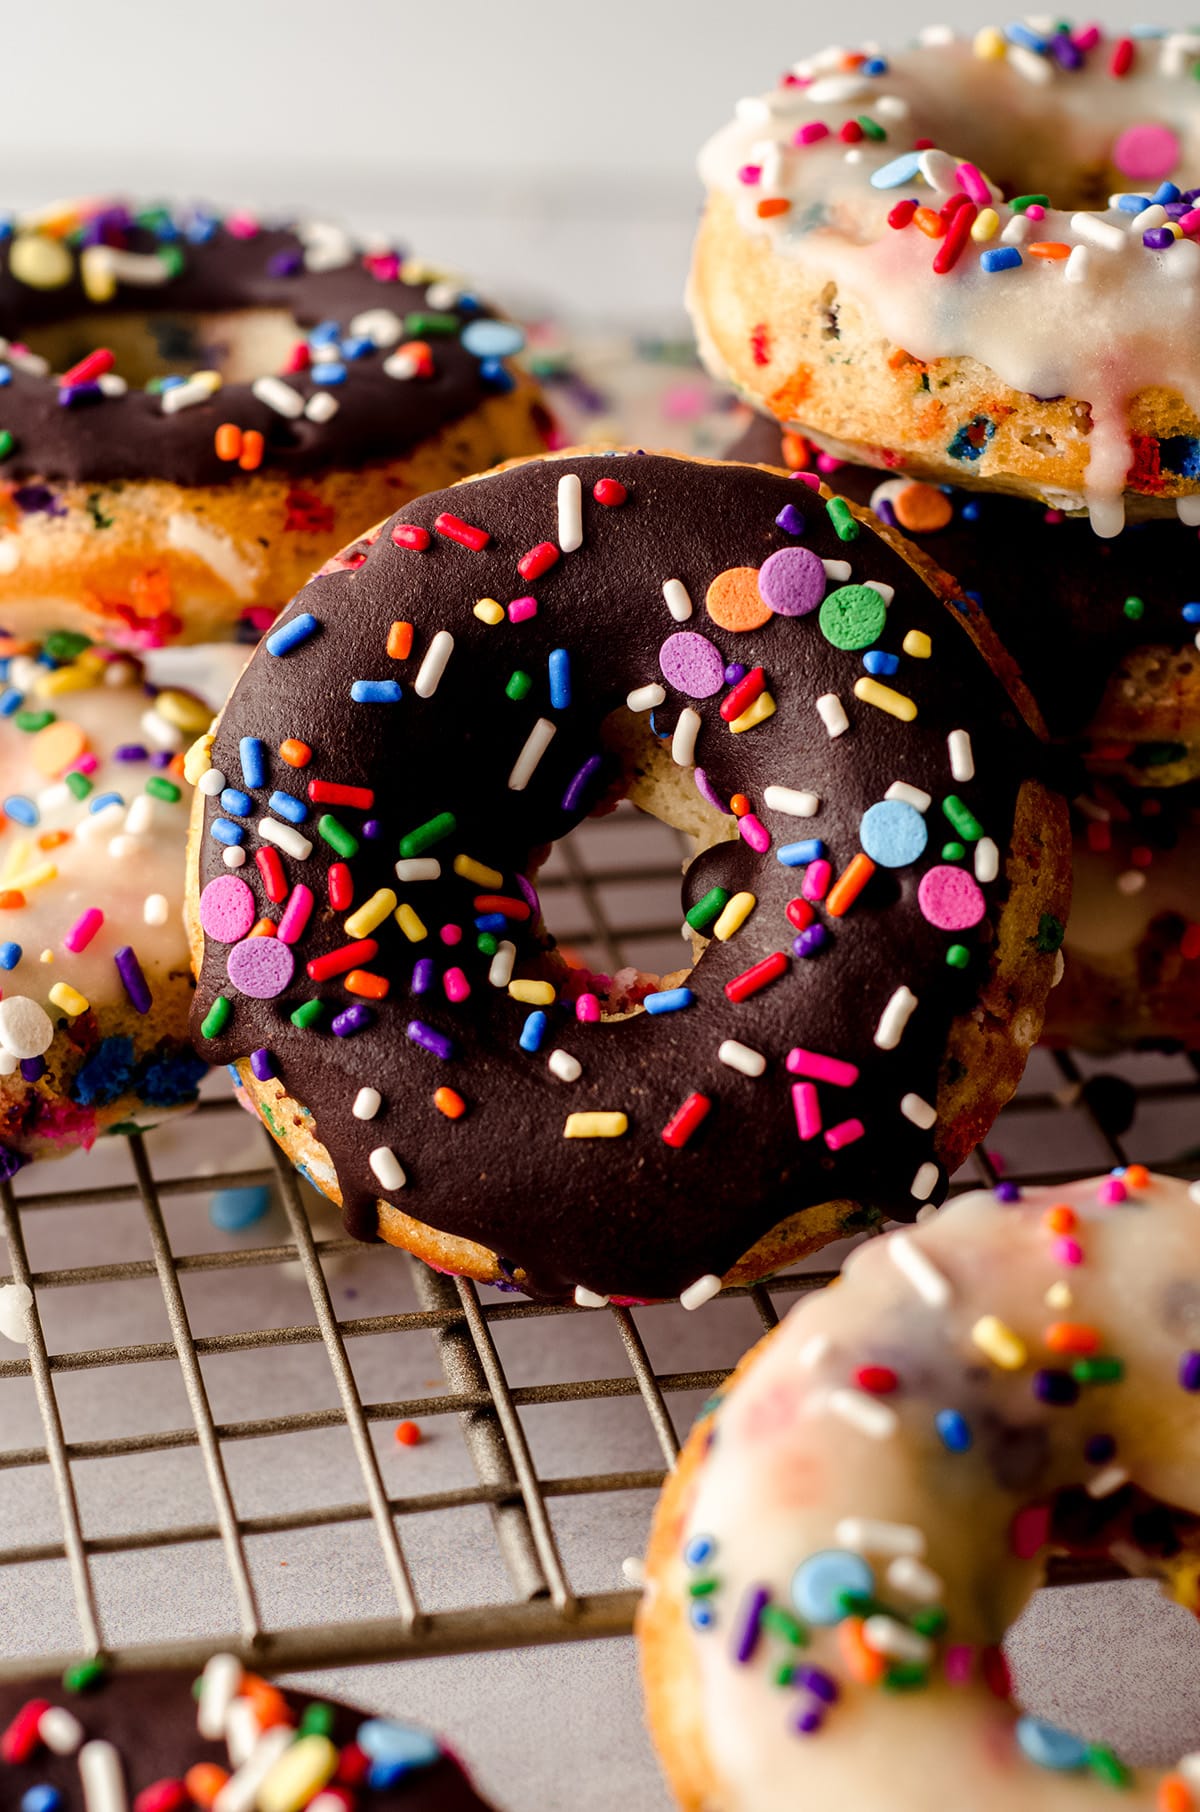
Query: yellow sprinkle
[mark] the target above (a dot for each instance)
(918, 644)
(478, 872)
(532, 993)
(96, 273)
(299, 1774)
(488, 611)
(92, 661)
(69, 999)
(995, 1338)
(47, 956)
(734, 915)
(757, 713)
(371, 913)
(65, 679)
(410, 924)
(990, 43)
(1059, 1296)
(183, 709)
(39, 262)
(1173, 227)
(21, 852)
(197, 761)
(985, 225)
(885, 699)
(595, 1126)
(32, 877)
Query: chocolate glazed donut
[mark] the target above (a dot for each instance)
(740, 656)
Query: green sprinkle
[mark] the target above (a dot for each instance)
(1135, 609)
(434, 830)
(7, 443)
(33, 720)
(1019, 203)
(1050, 934)
(783, 1674)
(871, 128)
(905, 1676)
(317, 1719)
(1146, 754)
(308, 1014)
(852, 617)
(338, 837)
(703, 1588)
(66, 644)
(172, 257)
(160, 788)
(518, 686)
(953, 852)
(217, 1017)
(1107, 1767)
(958, 956)
(487, 944)
(844, 521)
(708, 910)
(1101, 1370)
(930, 1621)
(84, 1675)
(79, 784)
(780, 1622)
(430, 322)
(962, 818)
(858, 1604)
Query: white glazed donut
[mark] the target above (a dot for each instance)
(879, 263)
(847, 1538)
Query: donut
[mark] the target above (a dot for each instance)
(1131, 974)
(848, 1536)
(95, 983)
(876, 901)
(975, 251)
(140, 1742)
(1105, 632)
(196, 410)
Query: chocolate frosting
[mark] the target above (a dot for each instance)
(102, 438)
(1053, 589)
(627, 1215)
(150, 1718)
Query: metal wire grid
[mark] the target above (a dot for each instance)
(544, 1606)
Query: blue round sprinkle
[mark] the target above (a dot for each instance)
(699, 1549)
(954, 1431)
(702, 1615)
(492, 339)
(819, 1582)
(10, 955)
(1191, 613)
(893, 834)
(876, 661)
(233, 1209)
(235, 802)
(328, 372)
(1049, 1748)
(98, 803)
(42, 1798)
(20, 809)
(395, 1749)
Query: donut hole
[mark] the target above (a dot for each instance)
(240, 344)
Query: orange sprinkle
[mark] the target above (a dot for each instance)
(399, 642)
(370, 987)
(1174, 1794)
(11, 897)
(419, 352)
(848, 886)
(795, 453)
(448, 1101)
(862, 1663)
(408, 1434)
(1137, 1176)
(1060, 1219)
(922, 508)
(253, 447)
(739, 805)
(57, 747)
(53, 839)
(1071, 1337)
(270, 1706)
(227, 441)
(264, 928)
(203, 1783)
(734, 601)
(176, 766)
(930, 223)
(1048, 248)
(773, 204)
(296, 754)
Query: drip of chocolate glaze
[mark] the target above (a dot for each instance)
(628, 1216)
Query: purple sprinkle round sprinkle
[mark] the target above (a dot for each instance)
(692, 664)
(261, 967)
(355, 1019)
(262, 1064)
(792, 582)
(1058, 1389)
(734, 672)
(436, 1043)
(131, 751)
(816, 1681)
(161, 758)
(33, 1069)
(372, 829)
(577, 785)
(1007, 1192)
(810, 941)
(132, 979)
(1158, 239)
(808, 1721)
(1189, 1365)
(422, 979)
(790, 520)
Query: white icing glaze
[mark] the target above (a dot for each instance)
(788, 1469)
(1114, 319)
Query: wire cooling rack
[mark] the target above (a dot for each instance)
(146, 1515)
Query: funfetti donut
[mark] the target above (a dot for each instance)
(876, 907)
(980, 253)
(95, 983)
(850, 1534)
(196, 410)
(144, 1742)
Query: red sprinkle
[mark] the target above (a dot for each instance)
(346, 957)
(880, 1380)
(901, 215)
(743, 694)
(341, 887)
(996, 1675)
(89, 368)
(609, 491)
(1122, 57)
(685, 1120)
(850, 132)
(751, 980)
(957, 233)
(502, 902)
(271, 869)
(800, 914)
(538, 560)
(455, 529)
(162, 1796)
(21, 1738)
(353, 1765)
(953, 203)
(408, 534)
(331, 792)
(408, 1434)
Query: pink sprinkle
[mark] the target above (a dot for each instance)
(1189, 223)
(1035, 211)
(295, 914)
(456, 985)
(821, 1068)
(88, 763)
(1029, 1530)
(827, 463)
(83, 930)
(1112, 1189)
(817, 877)
(587, 1009)
(241, 225)
(809, 479)
(810, 133)
(959, 1663)
(451, 934)
(844, 1134)
(755, 832)
(1054, 517)
(384, 266)
(750, 173)
(971, 179)
(521, 609)
(1067, 1252)
(260, 617)
(808, 1109)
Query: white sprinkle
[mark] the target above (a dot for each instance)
(240, 1792)
(15, 1299)
(1131, 881)
(888, 1636)
(219, 1684)
(367, 1103)
(1103, 234)
(683, 743)
(870, 1535)
(812, 1352)
(1189, 1766)
(401, 365)
(140, 816)
(105, 822)
(646, 698)
(588, 1299)
(931, 1285)
(740, 1057)
(886, 592)
(918, 1110)
(633, 1571)
(326, 248)
(832, 713)
(186, 395)
(211, 782)
(789, 799)
(123, 848)
(913, 1579)
(536, 744)
(1179, 49)
(434, 665)
(570, 512)
(321, 406)
(894, 1018)
(564, 1066)
(865, 1413)
(382, 326)
(835, 89)
(700, 1292)
(277, 396)
(8, 1063)
(418, 868)
(443, 294)
(386, 1166)
(837, 570)
(1038, 71)
(891, 107)
(925, 1181)
(1153, 216)
(111, 384)
(1076, 269)
(753, 110)
(1108, 1481)
(1188, 511)
(60, 1730)
(987, 860)
(678, 603)
(962, 756)
(1194, 1194)
(155, 909)
(1017, 231)
(102, 1777)
(241, 1732)
(500, 972)
(233, 856)
(157, 730)
(938, 168)
(909, 795)
(286, 836)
